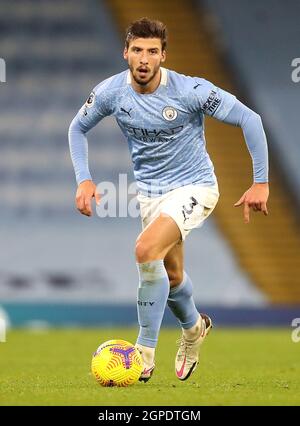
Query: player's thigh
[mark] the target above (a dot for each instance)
(174, 264)
(157, 238)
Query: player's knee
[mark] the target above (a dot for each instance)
(144, 251)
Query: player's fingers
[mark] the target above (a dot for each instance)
(79, 202)
(264, 209)
(88, 207)
(84, 211)
(246, 212)
(240, 202)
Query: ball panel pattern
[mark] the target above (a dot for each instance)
(117, 363)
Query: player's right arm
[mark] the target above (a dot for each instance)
(88, 116)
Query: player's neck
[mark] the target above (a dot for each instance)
(148, 88)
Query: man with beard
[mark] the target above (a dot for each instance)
(161, 113)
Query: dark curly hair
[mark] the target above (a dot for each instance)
(146, 28)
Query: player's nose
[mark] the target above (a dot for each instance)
(144, 59)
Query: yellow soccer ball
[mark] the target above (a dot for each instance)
(117, 363)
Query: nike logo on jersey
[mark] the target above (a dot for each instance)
(197, 85)
(127, 112)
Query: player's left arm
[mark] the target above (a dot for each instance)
(225, 107)
(256, 196)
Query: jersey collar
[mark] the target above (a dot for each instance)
(163, 78)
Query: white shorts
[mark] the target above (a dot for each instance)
(188, 205)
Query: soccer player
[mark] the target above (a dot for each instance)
(161, 113)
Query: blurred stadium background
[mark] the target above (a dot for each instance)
(55, 265)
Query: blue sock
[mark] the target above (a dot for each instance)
(181, 303)
(153, 293)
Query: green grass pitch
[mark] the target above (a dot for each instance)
(238, 367)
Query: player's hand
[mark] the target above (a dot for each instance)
(85, 192)
(256, 198)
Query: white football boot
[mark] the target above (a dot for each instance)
(187, 357)
(149, 364)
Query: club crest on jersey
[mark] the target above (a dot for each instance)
(90, 100)
(169, 113)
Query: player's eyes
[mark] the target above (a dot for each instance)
(138, 50)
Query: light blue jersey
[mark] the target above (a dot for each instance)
(164, 129)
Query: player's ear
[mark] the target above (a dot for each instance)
(163, 56)
(125, 53)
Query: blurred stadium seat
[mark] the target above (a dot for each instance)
(261, 42)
